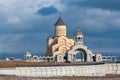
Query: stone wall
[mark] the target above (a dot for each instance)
(61, 71)
(113, 68)
(83, 70)
(7, 71)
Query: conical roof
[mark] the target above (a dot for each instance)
(59, 22)
(78, 32)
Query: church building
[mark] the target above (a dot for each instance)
(59, 44)
(64, 48)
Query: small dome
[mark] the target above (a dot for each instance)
(27, 54)
(35, 56)
(78, 32)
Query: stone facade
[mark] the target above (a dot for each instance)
(60, 43)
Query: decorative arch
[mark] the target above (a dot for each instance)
(83, 54)
(78, 49)
(62, 39)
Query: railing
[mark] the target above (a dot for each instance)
(111, 58)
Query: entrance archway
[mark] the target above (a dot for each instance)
(83, 53)
(77, 55)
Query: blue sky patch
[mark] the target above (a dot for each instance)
(47, 11)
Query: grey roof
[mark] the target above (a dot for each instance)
(59, 22)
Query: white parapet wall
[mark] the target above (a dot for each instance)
(82, 70)
(113, 68)
(7, 71)
(86, 70)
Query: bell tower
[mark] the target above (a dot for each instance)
(60, 28)
(78, 37)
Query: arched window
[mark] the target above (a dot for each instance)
(78, 39)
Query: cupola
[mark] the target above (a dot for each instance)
(78, 37)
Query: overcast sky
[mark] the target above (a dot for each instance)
(26, 24)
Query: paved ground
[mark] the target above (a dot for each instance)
(59, 78)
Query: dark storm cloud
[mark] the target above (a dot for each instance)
(47, 11)
(104, 4)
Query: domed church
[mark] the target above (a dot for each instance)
(66, 49)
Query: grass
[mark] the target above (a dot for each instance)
(12, 64)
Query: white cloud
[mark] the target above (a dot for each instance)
(13, 20)
(22, 15)
(24, 11)
(98, 12)
(99, 20)
(29, 5)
